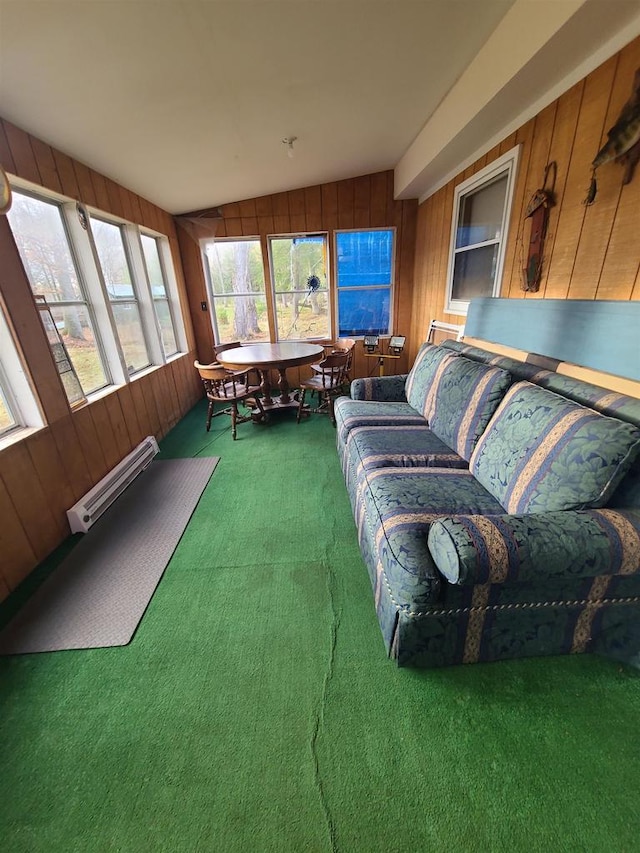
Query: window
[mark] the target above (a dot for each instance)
(364, 272)
(8, 420)
(159, 292)
(479, 233)
(42, 238)
(18, 407)
(300, 290)
(235, 279)
(112, 253)
(106, 289)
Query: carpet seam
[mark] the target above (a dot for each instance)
(319, 712)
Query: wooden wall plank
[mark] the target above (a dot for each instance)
(571, 216)
(70, 450)
(118, 425)
(67, 174)
(6, 157)
(85, 185)
(46, 165)
(102, 424)
(564, 133)
(538, 158)
(90, 443)
(52, 474)
(346, 203)
(22, 152)
(100, 190)
(18, 556)
(23, 485)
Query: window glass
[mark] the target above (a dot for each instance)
(364, 266)
(43, 243)
(481, 214)
(118, 281)
(158, 286)
(235, 275)
(301, 296)
(7, 419)
(480, 219)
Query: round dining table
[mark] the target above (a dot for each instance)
(280, 356)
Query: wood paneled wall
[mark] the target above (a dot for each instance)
(42, 475)
(591, 252)
(363, 202)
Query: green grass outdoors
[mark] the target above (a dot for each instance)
(255, 709)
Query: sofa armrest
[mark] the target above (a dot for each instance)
(473, 549)
(384, 389)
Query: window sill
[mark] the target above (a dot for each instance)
(17, 435)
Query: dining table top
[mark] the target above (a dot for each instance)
(283, 354)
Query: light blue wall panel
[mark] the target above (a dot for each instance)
(601, 334)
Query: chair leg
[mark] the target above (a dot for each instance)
(300, 404)
(234, 415)
(331, 413)
(209, 414)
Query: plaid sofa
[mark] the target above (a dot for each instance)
(497, 507)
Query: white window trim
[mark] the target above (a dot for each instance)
(392, 286)
(506, 164)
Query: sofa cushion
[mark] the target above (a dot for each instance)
(463, 401)
(470, 549)
(541, 453)
(410, 446)
(353, 413)
(424, 375)
(398, 505)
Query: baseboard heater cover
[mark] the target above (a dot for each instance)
(97, 500)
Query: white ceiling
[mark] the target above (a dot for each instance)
(186, 101)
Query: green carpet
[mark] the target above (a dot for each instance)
(255, 709)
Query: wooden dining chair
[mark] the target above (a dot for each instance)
(340, 345)
(327, 383)
(228, 387)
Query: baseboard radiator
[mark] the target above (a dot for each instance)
(97, 500)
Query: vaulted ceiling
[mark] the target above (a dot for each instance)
(186, 102)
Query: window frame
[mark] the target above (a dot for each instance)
(136, 270)
(144, 232)
(66, 211)
(506, 164)
(76, 220)
(392, 286)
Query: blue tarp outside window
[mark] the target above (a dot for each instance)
(364, 277)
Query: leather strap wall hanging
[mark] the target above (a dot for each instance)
(538, 211)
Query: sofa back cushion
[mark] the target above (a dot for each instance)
(542, 453)
(429, 360)
(462, 401)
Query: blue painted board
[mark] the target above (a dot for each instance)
(601, 334)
